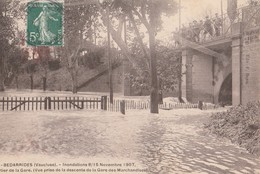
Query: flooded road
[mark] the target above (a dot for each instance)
(172, 142)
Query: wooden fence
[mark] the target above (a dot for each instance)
(200, 105)
(50, 103)
(101, 103)
(127, 104)
(119, 105)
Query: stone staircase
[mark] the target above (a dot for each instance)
(94, 74)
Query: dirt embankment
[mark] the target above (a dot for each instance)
(240, 124)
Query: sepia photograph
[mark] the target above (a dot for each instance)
(130, 86)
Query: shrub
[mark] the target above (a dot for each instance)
(54, 65)
(240, 124)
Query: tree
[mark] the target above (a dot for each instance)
(8, 14)
(169, 68)
(78, 21)
(16, 61)
(148, 13)
(44, 58)
(168, 71)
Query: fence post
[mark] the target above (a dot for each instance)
(122, 107)
(200, 105)
(82, 104)
(46, 103)
(104, 103)
(49, 103)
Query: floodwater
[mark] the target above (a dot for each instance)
(173, 142)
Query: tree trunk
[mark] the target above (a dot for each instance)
(75, 85)
(110, 70)
(2, 88)
(31, 77)
(73, 73)
(44, 83)
(160, 93)
(16, 81)
(45, 78)
(154, 81)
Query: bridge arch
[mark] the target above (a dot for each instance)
(221, 75)
(225, 92)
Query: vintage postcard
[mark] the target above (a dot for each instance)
(129, 87)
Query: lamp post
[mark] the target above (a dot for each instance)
(180, 61)
(222, 17)
(109, 59)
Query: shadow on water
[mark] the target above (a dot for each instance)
(168, 151)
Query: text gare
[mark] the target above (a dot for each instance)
(25, 170)
(36, 170)
(106, 170)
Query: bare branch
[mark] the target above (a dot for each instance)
(120, 25)
(117, 38)
(142, 18)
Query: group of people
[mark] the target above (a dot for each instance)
(253, 2)
(202, 30)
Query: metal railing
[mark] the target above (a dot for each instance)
(204, 35)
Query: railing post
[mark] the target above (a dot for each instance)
(104, 103)
(122, 107)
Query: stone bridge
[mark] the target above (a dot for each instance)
(226, 68)
(222, 70)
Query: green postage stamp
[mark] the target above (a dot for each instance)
(45, 23)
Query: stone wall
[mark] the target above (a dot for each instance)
(204, 75)
(202, 78)
(250, 66)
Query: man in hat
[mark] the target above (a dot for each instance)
(217, 24)
(190, 31)
(208, 26)
(196, 29)
(176, 39)
(201, 33)
(184, 31)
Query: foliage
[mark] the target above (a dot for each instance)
(43, 60)
(54, 65)
(80, 19)
(92, 59)
(241, 124)
(144, 8)
(31, 66)
(10, 55)
(140, 26)
(15, 63)
(149, 13)
(78, 23)
(168, 69)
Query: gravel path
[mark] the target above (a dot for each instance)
(173, 142)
